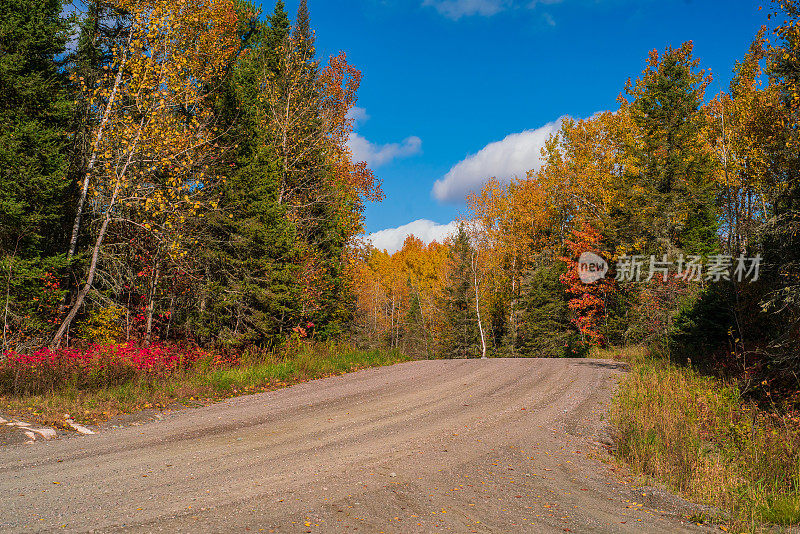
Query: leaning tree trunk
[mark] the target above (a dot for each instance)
(89, 279)
(76, 226)
(64, 328)
(151, 304)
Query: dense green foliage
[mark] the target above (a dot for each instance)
(668, 172)
(35, 111)
(461, 339)
(752, 330)
(249, 294)
(546, 330)
(781, 239)
(243, 242)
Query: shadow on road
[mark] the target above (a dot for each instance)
(603, 364)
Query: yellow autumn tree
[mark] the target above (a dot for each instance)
(153, 125)
(742, 127)
(398, 296)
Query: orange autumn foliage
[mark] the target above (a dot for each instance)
(589, 300)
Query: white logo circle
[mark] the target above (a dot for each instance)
(591, 268)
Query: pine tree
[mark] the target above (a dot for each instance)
(309, 190)
(668, 175)
(546, 329)
(304, 39)
(35, 109)
(251, 294)
(302, 31)
(760, 320)
(461, 338)
(274, 36)
(34, 114)
(781, 239)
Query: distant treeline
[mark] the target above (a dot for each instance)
(698, 198)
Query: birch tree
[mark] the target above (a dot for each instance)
(154, 133)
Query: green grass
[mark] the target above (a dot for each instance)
(198, 386)
(698, 436)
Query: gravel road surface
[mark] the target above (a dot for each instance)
(498, 445)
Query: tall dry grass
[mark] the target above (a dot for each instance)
(697, 435)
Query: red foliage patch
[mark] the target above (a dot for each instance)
(589, 301)
(96, 366)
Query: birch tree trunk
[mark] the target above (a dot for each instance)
(151, 304)
(478, 304)
(76, 226)
(64, 328)
(90, 277)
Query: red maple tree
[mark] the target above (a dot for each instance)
(589, 302)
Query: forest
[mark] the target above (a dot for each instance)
(176, 175)
(174, 171)
(181, 218)
(691, 198)
(179, 173)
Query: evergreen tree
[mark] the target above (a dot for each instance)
(275, 34)
(335, 302)
(309, 189)
(252, 292)
(546, 330)
(304, 41)
(669, 175)
(781, 233)
(251, 295)
(35, 109)
(755, 325)
(461, 338)
(302, 30)
(34, 114)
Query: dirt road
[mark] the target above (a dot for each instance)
(460, 446)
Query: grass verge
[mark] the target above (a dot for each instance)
(199, 385)
(698, 436)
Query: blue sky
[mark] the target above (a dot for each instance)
(445, 79)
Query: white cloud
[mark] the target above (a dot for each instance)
(392, 239)
(374, 154)
(358, 115)
(512, 157)
(377, 155)
(455, 9)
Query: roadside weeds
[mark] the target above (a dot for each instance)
(196, 386)
(699, 437)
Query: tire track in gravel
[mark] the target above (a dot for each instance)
(498, 445)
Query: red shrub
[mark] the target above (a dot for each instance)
(96, 366)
